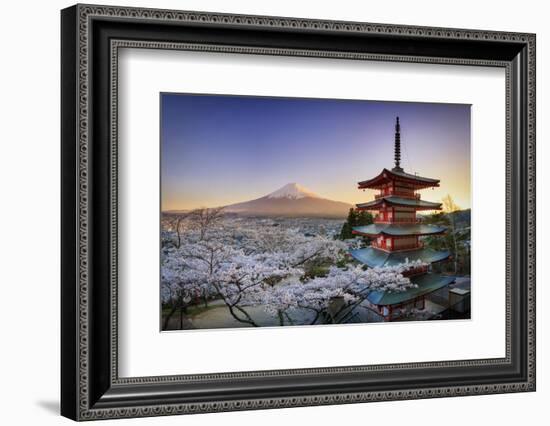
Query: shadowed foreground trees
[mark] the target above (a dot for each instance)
(457, 239)
(355, 218)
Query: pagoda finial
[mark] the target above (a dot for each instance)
(397, 149)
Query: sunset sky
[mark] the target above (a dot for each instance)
(219, 150)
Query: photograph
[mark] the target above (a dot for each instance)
(294, 211)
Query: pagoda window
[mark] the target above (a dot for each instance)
(404, 190)
(405, 216)
(405, 243)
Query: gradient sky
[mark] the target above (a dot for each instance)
(217, 150)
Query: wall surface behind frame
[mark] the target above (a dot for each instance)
(29, 218)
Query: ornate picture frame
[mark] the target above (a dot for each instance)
(91, 37)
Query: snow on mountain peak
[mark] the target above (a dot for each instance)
(292, 191)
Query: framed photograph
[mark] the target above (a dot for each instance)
(263, 212)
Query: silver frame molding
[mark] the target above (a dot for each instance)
(91, 39)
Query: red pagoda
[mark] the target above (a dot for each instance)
(396, 236)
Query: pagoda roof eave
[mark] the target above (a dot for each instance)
(399, 201)
(387, 175)
(398, 229)
(376, 258)
(425, 284)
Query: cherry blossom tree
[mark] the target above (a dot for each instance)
(205, 219)
(266, 266)
(333, 298)
(179, 285)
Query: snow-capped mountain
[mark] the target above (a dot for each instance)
(291, 200)
(293, 191)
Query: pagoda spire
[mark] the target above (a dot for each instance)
(397, 148)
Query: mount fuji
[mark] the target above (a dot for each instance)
(291, 200)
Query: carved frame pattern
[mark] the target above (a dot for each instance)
(85, 409)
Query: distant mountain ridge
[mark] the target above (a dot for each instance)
(291, 200)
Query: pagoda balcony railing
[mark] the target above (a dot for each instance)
(409, 246)
(375, 244)
(380, 219)
(415, 271)
(397, 194)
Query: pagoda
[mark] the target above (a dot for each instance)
(396, 236)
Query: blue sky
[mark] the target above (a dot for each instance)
(218, 150)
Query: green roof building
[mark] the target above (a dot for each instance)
(396, 236)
